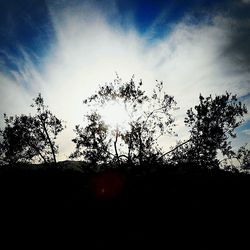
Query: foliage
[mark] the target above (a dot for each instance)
(91, 141)
(149, 118)
(18, 141)
(243, 157)
(27, 138)
(212, 122)
(48, 126)
(239, 160)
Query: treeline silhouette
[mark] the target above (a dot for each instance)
(211, 124)
(125, 191)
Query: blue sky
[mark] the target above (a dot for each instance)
(65, 49)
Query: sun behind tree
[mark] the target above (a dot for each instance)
(115, 115)
(130, 132)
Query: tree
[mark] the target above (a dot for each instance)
(91, 141)
(18, 142)
(212, 123)
(48, 126)
(242, 158)
(137, 143)
(26, 138)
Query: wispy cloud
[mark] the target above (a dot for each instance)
(246, 131)
(246, 1)
(90, 48)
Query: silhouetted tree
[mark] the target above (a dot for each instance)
(212, 122)
(26, 138)
(238, 161)
(91, 141)
(47, 126)
(149, 118)
(18, 141)
(243, 157)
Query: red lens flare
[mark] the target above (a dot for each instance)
(107, 185)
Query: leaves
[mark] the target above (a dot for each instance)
(211, 125)
(150, 118)
(27, 138)
(91, 141)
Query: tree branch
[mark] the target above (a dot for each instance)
(49, 140)
(115, 145)
(175, 148)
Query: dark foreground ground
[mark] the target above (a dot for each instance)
(180, 208)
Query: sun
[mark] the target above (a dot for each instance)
(115, 115)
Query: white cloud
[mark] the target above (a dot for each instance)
(246, 131)
(89, 50)
(14, 97)
(246, 1)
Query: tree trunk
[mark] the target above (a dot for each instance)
(50, 143)
(140, 150)
(115, 146)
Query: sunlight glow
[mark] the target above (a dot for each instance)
(115, 115)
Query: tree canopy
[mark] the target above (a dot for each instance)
(211, 125)
(28, 138)
(135, 142)
(150, 117)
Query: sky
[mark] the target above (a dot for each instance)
(66, 49)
